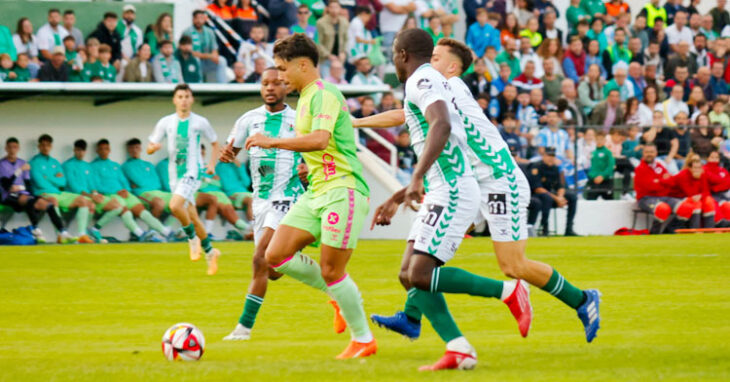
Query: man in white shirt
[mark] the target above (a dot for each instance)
(51, 35)
(674, 105)
(359, 39)
(132, 36)
(392, 19)
(678, 31)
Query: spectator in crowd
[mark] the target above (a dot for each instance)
(681, 58)
(106, 33)
(585, 146)
(697, 103)
(74, 60)
(26, 43)
(303, 25)
(259, 65)
(505, 102)
(104, 68)
(665, 140)
(161, 30)
(718, 114)
(433, 29)
(703, 81)
(165, 67)
(674, 105)
(532, 33)
(622, 23)
(555, 137)
(636, 50)
(650, 76)
(332, 30)
(509, 29)
(6, 66)
(639, 30)
(524, 10)
(569, 99)
(205, 48)
(223, 9)
(552, 50)
(699, 52)
(673, 7)
(595, 8)
(537, 100)
(528, 119)
(615, 143)
(55, 70)
(7, 45)
(15, 192)
(596, 34)
(678, 31)
(476, 80)
(337, 73)
(547, 26)
(636, 78)
(720, 16)
(139, 68)
(393, 17)
(497, 86)
(359, 40)
(593, 58)
(239, 73)
(574, 63)
(364, 76)
(490, 57)
(616, 52)
(526, 53)
(527, 81)
(703, 137)
(49, 182)
(708, 30)
(590, 90)
(282, 13)
(719, 86)
(608, 113)
(51, 35)
(652, 184)
(692, 184)
(620, 83)
(510, 132)
(406, 156)
(652, 11)
(547, 183)
(111, 181)
(631, 112)
(600, 176)
(481, 34)
(510, 57)
(69, 23)
(719, 178)
(574, 15)
(388, 102)
(189, 64)
(256, 46)
(21, 69)
(130, 33)
(552, 82)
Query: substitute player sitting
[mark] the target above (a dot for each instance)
(333, 209)
(145, 182)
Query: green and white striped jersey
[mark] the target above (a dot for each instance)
(424, 87)
(273, 171)
(183, 143)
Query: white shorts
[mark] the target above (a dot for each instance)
(504, 204)
(268, 214)
(446, 214)
(186, 187)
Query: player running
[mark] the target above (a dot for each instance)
(333, 209)
(183, 130)
(504, 193)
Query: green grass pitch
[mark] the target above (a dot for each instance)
(93, 312)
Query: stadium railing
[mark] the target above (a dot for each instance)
(393, 165)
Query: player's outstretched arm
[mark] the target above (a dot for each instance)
(153, 147)
(229, 153)
(390, 118)
(314, 141)
(439, 130)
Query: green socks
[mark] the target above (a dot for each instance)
(250, 310)
(302, 268)
(456, 280)
(206, 244)
(348, 297)
(189, 231)
(433, 306)
(128, 220)
(563, 290)
(82, 217)
(153, 223)
(107, 217)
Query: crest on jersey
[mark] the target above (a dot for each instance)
(497, 204)
(424, 84)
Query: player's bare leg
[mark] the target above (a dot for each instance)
(157, 207)
(211, 254)
(180, 211)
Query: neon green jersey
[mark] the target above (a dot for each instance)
(322, 106)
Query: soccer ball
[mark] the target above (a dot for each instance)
(183, 341)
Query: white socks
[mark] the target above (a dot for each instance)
(461, 345)
(507, 288)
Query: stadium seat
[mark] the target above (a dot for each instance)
(638, 211)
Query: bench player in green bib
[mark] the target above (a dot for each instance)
(333, 209)
(183, 130)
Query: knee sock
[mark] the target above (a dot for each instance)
(433, 306)
(303, 268)
(153, 223)
(411, 309)
(206, 244)
(189, 231)
(345, 292)
(563, 290)
(208, 225)
(128, 220)
(456, 280)
(55, 218)
(107, 217)
(33, 214)
(241, 225)
(82, 217)
(250, 310)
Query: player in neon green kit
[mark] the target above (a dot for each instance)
(145, 182)
(334, 207)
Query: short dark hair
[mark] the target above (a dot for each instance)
(102, 141)
(110, 15)
(460, 50)
(69, 37)
(658, 19)
(614, 90)
(699, 34)
(185, 40)
(361, 9)
(53, 10)
(69, 12)
(198, 12)
(80, 144)
(303, 6)
(509, 115)
(367, 98)
(416, 42)
(134, 141)
(164, 42)
(295, 46)
(11, 140)
(45, 138)
(182, 87)
(650, 144)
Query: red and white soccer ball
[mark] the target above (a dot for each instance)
(183, 341)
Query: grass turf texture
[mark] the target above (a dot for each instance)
(85, 312)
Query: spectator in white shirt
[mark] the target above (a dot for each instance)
(678, 31)
(337, 73)
(256, 46)
(364, 76)
(392, 19)
(674, 105)
(359, 39)
(130, 33)
(51, 35)
(26, 43)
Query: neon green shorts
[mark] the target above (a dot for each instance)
(107, 198)
(335, 219)
(222, 197)
(130, 201)
(238, 198)
(64, 199)
(148, 196)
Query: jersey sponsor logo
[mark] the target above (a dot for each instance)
(433, 215)
(333, 218)
(323, 116)
(328, 165)
(281, 205)
(424, 84)
(497, 204)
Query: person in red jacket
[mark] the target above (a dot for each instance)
(719, 179)
(692, 184)
(652, 183)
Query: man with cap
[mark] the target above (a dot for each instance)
(55, 70)
(548, 186)
(130, 33)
